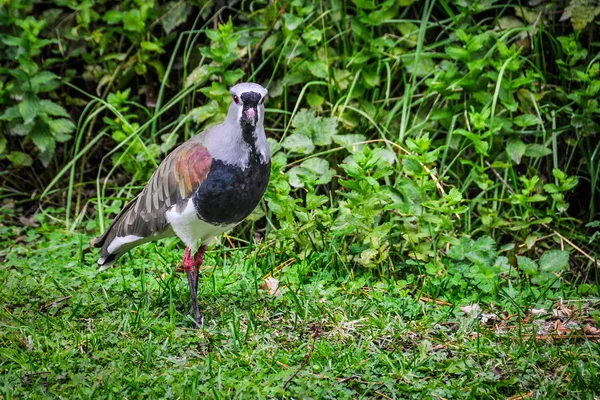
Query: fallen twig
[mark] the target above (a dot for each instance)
(306, 358)
(436, 301)
(500, 177)
(44, 307)
(597, 262)
(315, 335)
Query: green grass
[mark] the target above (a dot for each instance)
(68, 331)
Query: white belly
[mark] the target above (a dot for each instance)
(191, 229)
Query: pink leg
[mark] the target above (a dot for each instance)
(199, 256)
(192, 268)
(188, 264)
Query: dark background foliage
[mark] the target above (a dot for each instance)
(483, 116)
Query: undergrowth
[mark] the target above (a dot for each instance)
(70, 331)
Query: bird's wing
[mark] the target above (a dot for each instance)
(172, 184)
(144, 219)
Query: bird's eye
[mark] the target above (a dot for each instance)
(236, 99)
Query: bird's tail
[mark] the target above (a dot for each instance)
(116, 240)
(107, 258)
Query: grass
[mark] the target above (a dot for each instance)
(68, 331)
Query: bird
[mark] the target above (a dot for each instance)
(203, 188)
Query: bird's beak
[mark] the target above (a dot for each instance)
(251, 115)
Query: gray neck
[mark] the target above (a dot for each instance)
(226, 142)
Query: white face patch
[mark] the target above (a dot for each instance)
(191, 229)
(225, 142)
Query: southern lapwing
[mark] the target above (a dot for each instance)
(205, 187)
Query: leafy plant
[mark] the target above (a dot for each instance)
(30, 118)
(222, 51)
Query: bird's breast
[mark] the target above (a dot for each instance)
(229, 193)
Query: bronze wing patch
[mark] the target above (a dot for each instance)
(173, 183)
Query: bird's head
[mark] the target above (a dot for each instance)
(247, 104)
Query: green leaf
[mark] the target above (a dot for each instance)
(231, 77)
(312, 37)
(13, 41)
(44, 81)
(318, 68)
(151, 46)
(410, 33)
(385, 11)
(215, 91)
(303, 120)
(45, 156)
(158, 67)
(412, 167)
(319, 129)
(365, 4)
(483, 250)
(41, 137)
(537, 150)
(320, 167)
(371, 77)
(174, 14)
(20, 74)
(169, 141)
(269, 44)
(314, 201)
(554, 261)
(457, 53)
(113, 17)
(425, 66)
(351, 140)
(516, 149)
(61, 126)
(477, 42)
(22, 129)
(551, 188)
(359, 29)
(298, 143)
(323, 131)
(50, 108)
(581, 12)
(11, 113)
(62, 137)
(527, 265)
(3, 143)
(314, 100)
(314, 171)
(132, 21)
(202, 113)
(527, 120)
(291, 21)
(19, 159)
(29, 107)
(199, 75)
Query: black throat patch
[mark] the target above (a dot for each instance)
(248, 132)
(250, 101)
(229, 193)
